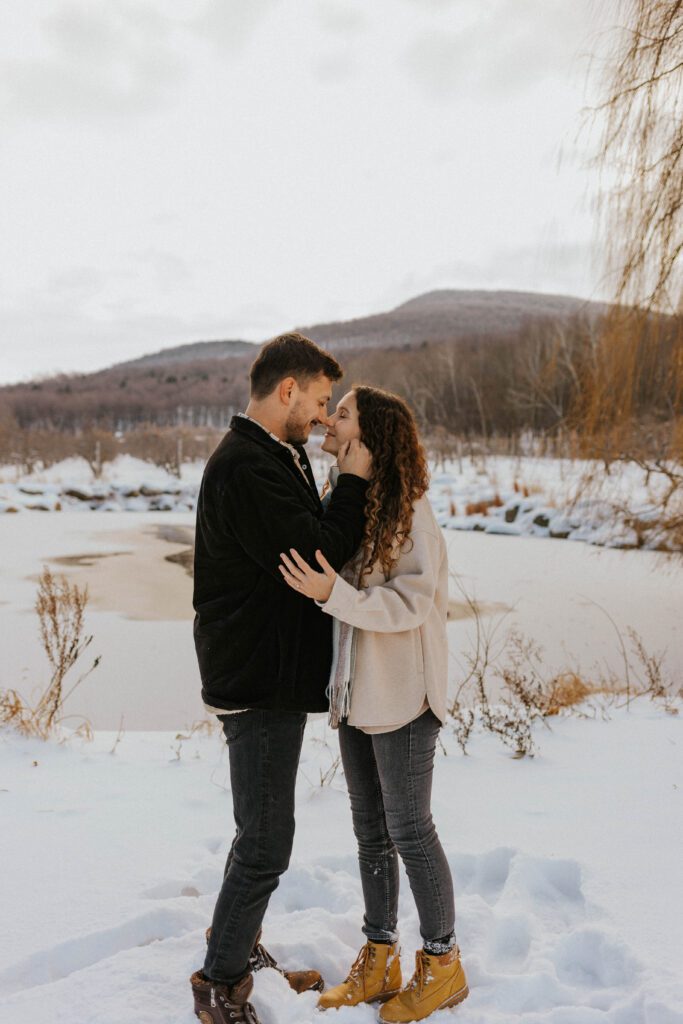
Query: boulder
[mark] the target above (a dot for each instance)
(78, 494)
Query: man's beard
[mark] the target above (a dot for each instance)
(296, 429)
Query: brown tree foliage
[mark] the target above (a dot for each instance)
(642, 223)
(642, 143)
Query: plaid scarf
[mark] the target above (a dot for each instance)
(344, 638)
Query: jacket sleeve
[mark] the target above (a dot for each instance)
(267, 516)
(403, 602)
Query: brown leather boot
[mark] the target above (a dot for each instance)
(223, 1004)
(300, 981)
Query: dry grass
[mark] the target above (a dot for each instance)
(60, 607)
(530, 694)
(481, 507)
(202, 727)
(567, 690)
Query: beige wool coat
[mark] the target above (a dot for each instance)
(401, 646)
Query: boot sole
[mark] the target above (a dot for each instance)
(458, 997)
(383, 998)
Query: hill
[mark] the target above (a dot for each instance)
(449, 315)
(190, 352)
(475, 339)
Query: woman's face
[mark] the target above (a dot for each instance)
(342, 425)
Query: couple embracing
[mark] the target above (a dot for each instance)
(338, 604)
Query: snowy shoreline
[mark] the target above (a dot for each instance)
(534, 497)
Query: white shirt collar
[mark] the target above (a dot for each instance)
(285, 444)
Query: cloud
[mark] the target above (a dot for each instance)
(333, 68)
(340, 19)
(99, 59)
(566, 268)
(519, 44)
(439, 62)
(230, 24)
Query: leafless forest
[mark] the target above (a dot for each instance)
(538, 380)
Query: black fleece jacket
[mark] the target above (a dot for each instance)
(260, 644)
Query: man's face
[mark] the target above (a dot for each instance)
(307, 409)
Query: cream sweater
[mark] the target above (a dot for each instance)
(401, 656)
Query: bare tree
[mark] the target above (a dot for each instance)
(642, 142)
(639, 350)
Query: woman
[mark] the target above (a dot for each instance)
(388, 699)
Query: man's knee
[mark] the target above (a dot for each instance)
(266, 850)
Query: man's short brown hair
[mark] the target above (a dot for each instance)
(290, 355)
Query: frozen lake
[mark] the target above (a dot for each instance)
(559, 593)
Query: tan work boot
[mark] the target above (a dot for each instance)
(374, 977)
(438, 982)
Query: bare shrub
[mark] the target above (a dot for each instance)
(567, 690)
(332, 763)
(202, 727)
(463, 724)
(60, 607)
(508, 719)
(327, 776)
(530, 694)
(96, 447)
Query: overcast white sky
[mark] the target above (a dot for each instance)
(180, 170)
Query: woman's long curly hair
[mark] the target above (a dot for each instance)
(399, 473)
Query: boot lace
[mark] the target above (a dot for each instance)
(249, 1014)
(422, 972)
(363, 961)
(260, 958)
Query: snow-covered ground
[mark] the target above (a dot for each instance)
(538, 497)
(566, 867)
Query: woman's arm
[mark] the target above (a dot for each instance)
(401, 603)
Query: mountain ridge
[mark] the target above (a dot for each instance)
(438, 315)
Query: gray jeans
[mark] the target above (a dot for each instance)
(389, 778)
(264, 749)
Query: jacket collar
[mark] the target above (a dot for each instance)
(256, 432)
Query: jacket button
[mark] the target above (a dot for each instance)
(304, 466)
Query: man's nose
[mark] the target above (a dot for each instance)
(324, 419)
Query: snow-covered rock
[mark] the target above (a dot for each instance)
(538, 497)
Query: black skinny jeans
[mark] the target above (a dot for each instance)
(389, 778)
(264, 749)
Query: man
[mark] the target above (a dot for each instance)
(264, 651)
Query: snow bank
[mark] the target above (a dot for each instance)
(535, 497)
